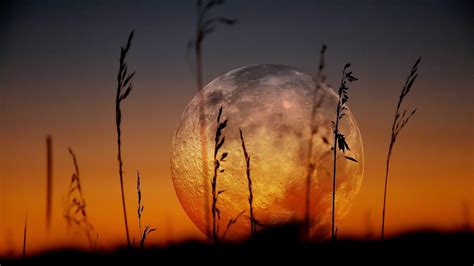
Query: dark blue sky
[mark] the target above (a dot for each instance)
(56, 53)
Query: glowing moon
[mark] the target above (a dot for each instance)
(272, 105)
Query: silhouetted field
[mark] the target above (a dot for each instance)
(278, 246)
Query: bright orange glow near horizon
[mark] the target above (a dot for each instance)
(58, 68)
(426, 191)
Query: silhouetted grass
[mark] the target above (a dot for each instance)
(24, 237)
(218, 142)
(252, 219)
(399, 122)
(231, 222)
(124, 86)
(318, 79)
(141, 207)
(75, 213)
(49, 180)
(204, 26)
(339, 139)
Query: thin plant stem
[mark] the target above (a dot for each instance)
(76, 209)
(218, 142)
(141, 207)
(24, 237)
(399, 122)
(204, 26)
(124, 86)
(339, 139)
(252, 219)
(313, 130)
(49, 180)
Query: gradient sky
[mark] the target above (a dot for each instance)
(58, 61)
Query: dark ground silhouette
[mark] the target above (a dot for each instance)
(278, 245)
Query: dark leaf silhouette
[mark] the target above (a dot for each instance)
(351, 159)
(350, 78)
(221, 142)
(224, 155)
(223, 125)
(219, 115)
(341, 143)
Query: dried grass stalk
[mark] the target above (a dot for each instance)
(76, 213)
(339, 139)
(124, 87)
(49, 180)
(399, 122)
(141, 207)
(219, 140)
(252, 219)
(314, 126)
(204, 26)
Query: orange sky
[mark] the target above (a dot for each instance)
(430, 178)
(58, 78)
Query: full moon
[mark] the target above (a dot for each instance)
(272, 105)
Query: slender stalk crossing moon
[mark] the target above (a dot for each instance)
(272, 105)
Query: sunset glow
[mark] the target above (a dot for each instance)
(58, 71)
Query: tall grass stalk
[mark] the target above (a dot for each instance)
(399, 122)
(76, 213)
(124, 86)
(218, 142)
(252, 219)
(318, 79)
(339, 139)
(141, 207)
(24, 237)
(49, 180)
(204, 26)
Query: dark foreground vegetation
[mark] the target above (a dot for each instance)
(281, 245)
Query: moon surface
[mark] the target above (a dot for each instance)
(272, 105)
